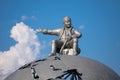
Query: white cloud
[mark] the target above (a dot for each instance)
(28, 17)
(33, 17)
(26, 49)
(23, 17)
(82, 27)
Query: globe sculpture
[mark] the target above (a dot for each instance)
(64, 67)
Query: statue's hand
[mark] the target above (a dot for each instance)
(44, 31)
(38, 30)
(74, 36)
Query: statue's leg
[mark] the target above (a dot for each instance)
(56, 44)
(75, 45)
(53, 51)
(53, 46)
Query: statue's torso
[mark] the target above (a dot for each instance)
(65, 33)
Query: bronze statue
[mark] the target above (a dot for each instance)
(68, 38)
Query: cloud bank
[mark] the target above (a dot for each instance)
(26, 49)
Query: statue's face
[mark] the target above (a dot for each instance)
(67, 23)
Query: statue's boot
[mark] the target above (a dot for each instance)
(51, 54)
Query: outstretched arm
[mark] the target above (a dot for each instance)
(51, 32)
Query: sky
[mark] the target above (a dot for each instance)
(97, 20)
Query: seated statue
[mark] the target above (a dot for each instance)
(68, 39)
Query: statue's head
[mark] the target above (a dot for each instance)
(67, 21)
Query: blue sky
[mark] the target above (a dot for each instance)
(97, 20)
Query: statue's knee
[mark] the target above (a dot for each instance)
(53, 41)
(75, 40)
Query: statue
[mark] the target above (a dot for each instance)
(68, 39)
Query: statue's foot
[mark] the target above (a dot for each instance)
(51, 54)
(75, 53)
